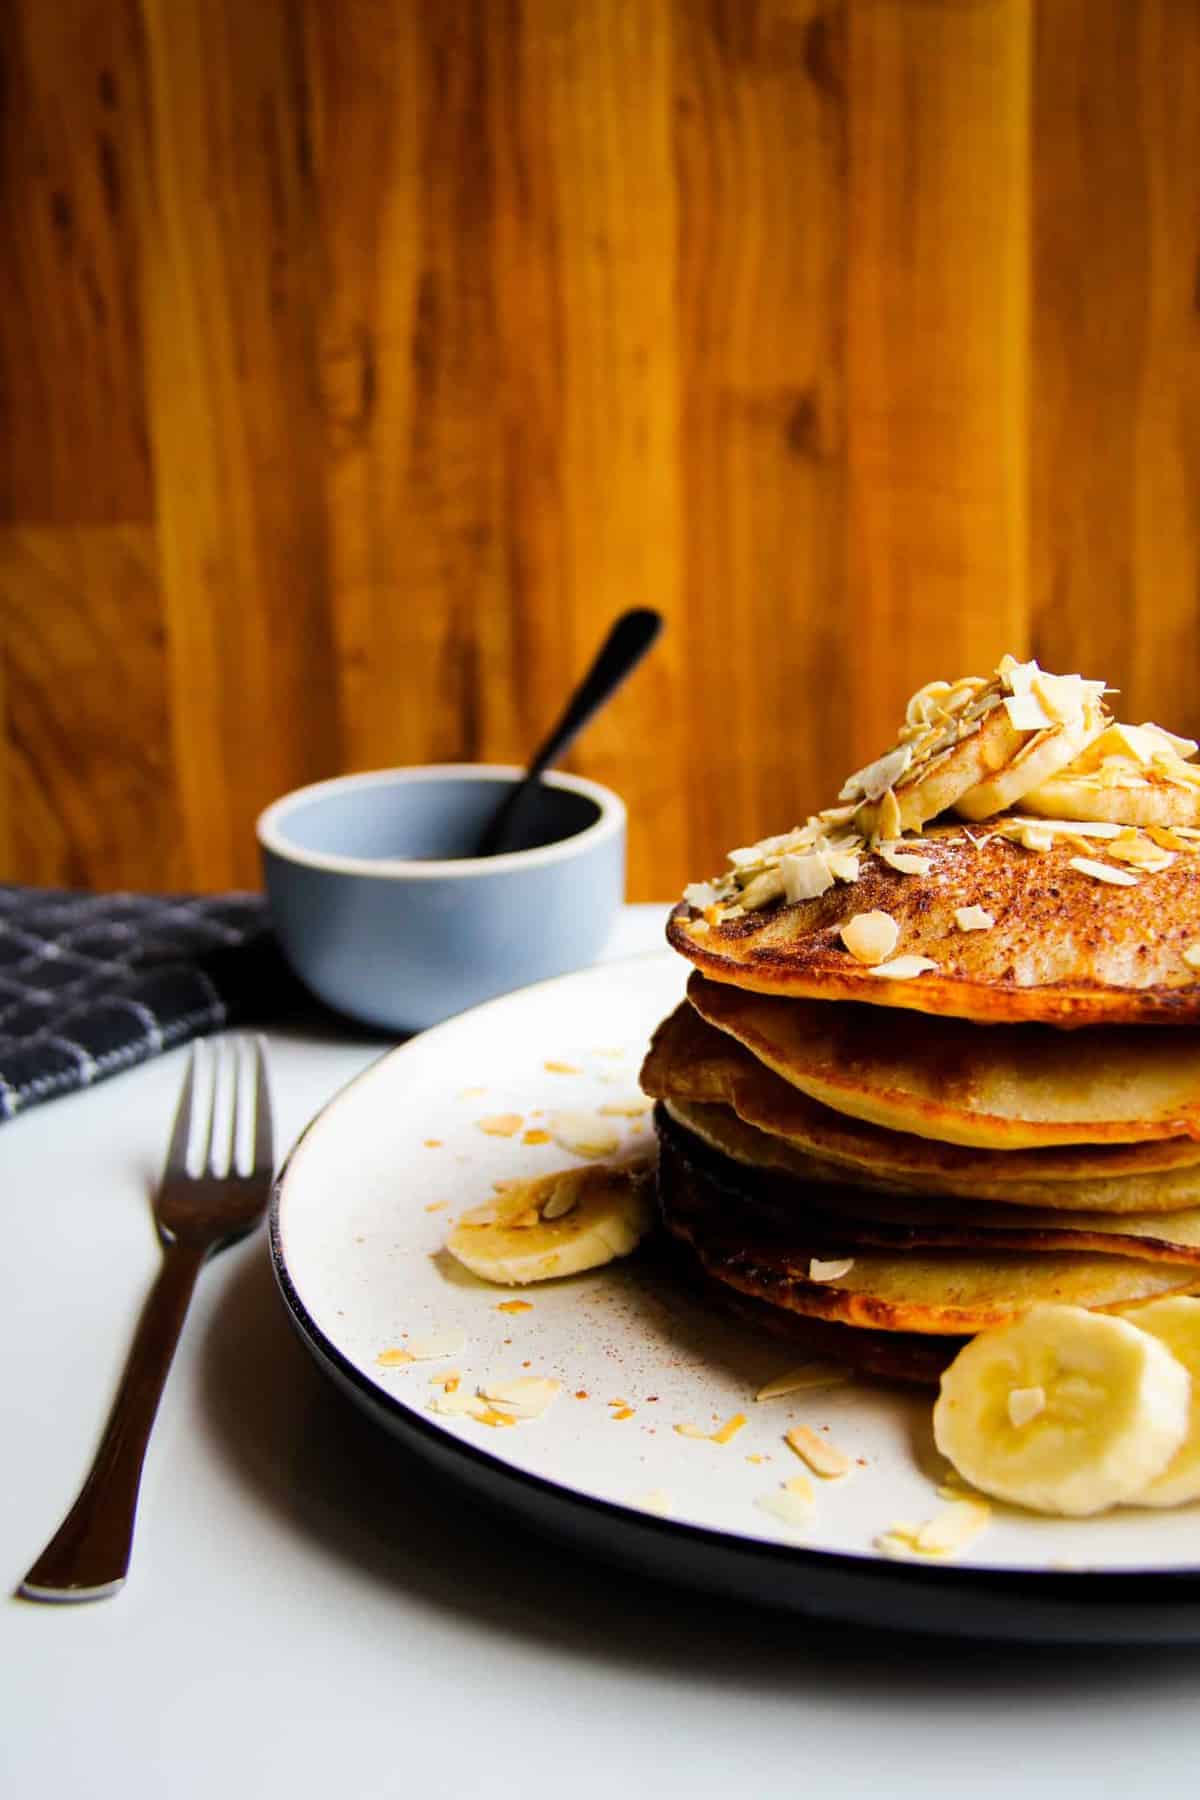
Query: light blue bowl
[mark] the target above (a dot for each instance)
(384, 916)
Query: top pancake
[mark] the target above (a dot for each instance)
(1065, 949)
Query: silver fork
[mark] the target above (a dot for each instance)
(196, 1215)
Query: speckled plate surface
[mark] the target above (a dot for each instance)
(360, 1214)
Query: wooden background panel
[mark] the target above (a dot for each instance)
(357, 364)
(937, 345)
(1115, 436)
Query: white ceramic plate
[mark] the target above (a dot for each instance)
(361, 1212)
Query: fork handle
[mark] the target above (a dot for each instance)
(88, 1556)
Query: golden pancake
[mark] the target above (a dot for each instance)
(1065, 948)
(1007, 1088)
(903, 1356)
(689, 1060)
(933, 1293)
(792, 1186)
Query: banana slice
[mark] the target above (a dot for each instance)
(933, 786)
(1176, 1323)
(1037, 762)
(1129, 775)
(1066, 1412)
(558, 1225)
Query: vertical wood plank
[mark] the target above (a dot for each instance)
(227, 232)
(90, 791)
(74, 443)
(1116, 425)
(594, 88)
(760, 144)
(937, 344)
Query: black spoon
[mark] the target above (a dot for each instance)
(622, 650)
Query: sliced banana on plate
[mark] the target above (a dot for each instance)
(557, 1225)
(1176, 1323)
(1067, 1411)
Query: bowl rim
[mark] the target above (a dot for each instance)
(270, 825)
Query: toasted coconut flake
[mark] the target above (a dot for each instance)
(870, 937)
(902, 968)
(626, 1109)
(393, 1359)
(822, 1457)
(805, 877)
(872, 782)
(693, 1431)
(622, 1412)
(1103, 872)
(729, 1429)
(700, 894)
(808, 1375)
(974, 918)
(1024, 1405)
(829, 1271)
(458, 1402)
(515, 1306)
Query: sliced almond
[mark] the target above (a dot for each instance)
(870, 937)
(522, 1396)
(829, 1271)
(952, 1529)
(902, 861)
(788, 1507)
(1103, 872)
(902, 968)
(808, 1375)
(822, 1457)
(973, 918)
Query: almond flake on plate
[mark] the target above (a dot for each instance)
(952, 1529)
(1103, 872)
(902, 968)
(829, 1271)
(524, 1396)
(822, 1457)
(807, 1375)
(788, 1506)
(656, 1501)
(501, 1124)
(583, 1134)
(438, 1344)
(973, 918)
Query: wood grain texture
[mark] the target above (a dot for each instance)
(1116, 419)
(937, 339)
(358, 363)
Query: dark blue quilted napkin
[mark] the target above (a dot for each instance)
(91, 984)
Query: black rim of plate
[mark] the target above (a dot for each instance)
(1086, 1606)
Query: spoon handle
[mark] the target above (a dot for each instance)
(624, 647)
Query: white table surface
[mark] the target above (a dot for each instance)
(303, 1618)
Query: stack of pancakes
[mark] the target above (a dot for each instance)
(877, 1162)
